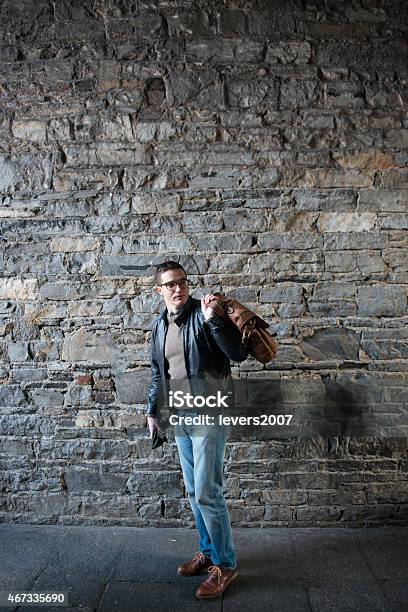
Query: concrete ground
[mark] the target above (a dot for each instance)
(125, 569)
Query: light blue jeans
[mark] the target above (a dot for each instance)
(201, 451)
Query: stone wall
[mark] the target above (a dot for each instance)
(264, 144)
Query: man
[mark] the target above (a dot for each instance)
(191, 343)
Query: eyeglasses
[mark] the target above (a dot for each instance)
(171, 286)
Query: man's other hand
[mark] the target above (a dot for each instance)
(153, 424)
(207, 310)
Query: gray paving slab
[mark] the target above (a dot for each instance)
(82, 564)
(265, 552)
(250, 593)
(147, 596)
(123, 569)
(335, 572)
(75, 559)
(397, 594)
(24, 553)
(269, 577)
(376, 545)
(386, 554)
(154, 555)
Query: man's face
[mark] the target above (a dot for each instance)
(174, 294)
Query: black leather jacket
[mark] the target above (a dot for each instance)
(208, 348)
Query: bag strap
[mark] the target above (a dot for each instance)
(223, 307)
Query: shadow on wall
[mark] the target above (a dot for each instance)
(328, 406)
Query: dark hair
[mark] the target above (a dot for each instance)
(167, 265)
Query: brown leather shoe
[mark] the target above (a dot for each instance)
(196, 566)
(216, 583)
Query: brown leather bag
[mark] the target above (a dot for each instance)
(260, 343)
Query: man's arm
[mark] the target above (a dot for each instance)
(227, 338)
(155, 382)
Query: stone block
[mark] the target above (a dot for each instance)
(231, 23)
(202, 89)
(210, 50)
(59, 291)
(291, 52)
(394, 221)
(105, 154)
(132, 386)
(58, 130)
(386, 200)
(45, 312)
(78, 394)
(246, 92)
(282, 497)
(281, 293)
(221, 177)
(78, 479)
(34, 131)
(369, 262)
(343, 94)
(18, 289)
(290, 310)
(23, 425)
(12, 395)
(348, 178)
(225, 242)
(190, 23)
(397, 259)
(332, 309)
(359, 54)
(337, 261)
(72, 245)
(18, 351)
(339, 241)
(387, 493)
(248, 51)
(76, 179)
(298, 93)
(158, 244)
(129, 265)
(346, 222)
(147, 132)
(274, 23)
(147, 302)
(382, 300)
(25, 172)
(198, 222)
(120, 30)
(226, 264)
(26, 373)
(394, 178)
(97, 346)
(331, 344)
(155, 483)
(117, 127)
(321, 200)
(396, 138)
(244, 220)
(289, 242)
(372, 160)
(46, 397)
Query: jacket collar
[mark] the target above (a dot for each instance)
(183, 316)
